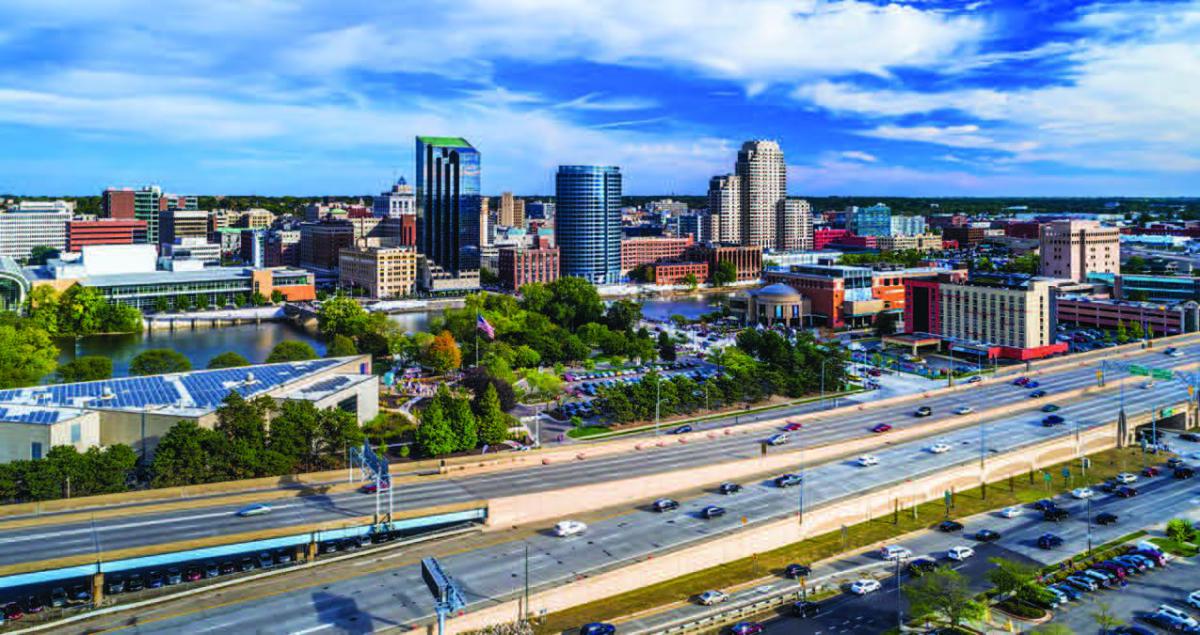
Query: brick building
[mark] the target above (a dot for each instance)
(103, 232)
(671, 273)
(518, 266)
(321, 243)
(636, 252)
(383, 272)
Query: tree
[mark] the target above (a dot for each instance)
(277, 296)
(477, 381)
(86, 368)
(885, 324)
(40, 254)
(182, 456)
(242, 427)
(434, 435)
(26, 354)
(291, 351)
(228, 359)
(159, 361)
(666, 347)
(340, 346)
(487, 277)
(944, 591)
(1180, 530)
(443, 354)
(1105, 619)
(1122, 332)
(493, 422)
(1136, 332)
(341, 316)
(462, 424)
(623, 315)
(1010, 576)
(691, 281)
(726, 273)
(1135, 264)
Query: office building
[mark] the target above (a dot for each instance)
(725, 209)
(117, 203)
(177, 224)
(875, 220)
(401, 200)
(383, 272)
(448, 210)
(907, 226)
(512, 210)
(519, 265)
(919, 242)
(190, 248)
(256, 218)
(667, 207)
(636, 252)
(1072, 249)
(109, 231)
(588, 222)
(1161, 288)
(966, 236)
(747, 260)
(671, 273)
(763, 177)
(691, 224)
(321, 244)
(540, 210)
(822, 238)
(794, 226)
(21, 231)
(1109, 314)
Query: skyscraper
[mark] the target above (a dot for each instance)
(725, 209)
(875, 220)
(588, 221)
(448, 205)
(794, 225)
(763, 177)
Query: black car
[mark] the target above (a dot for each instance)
(987, 535)
(80, 594)
(1126, 492)
(1174, 461)
(1106, 518)
(712, 511)
(682, 429)
(246, 564)
(1056, 515)
(35, 604)
(806, 609)
(923, 411)
(794, 571)
(135, 583)
(729, 488)
(1131, 629)
(1109, 487)
(114, 585)
(1052, 420)
(1044, 505)
(1189, 436)
(597, 628)
(1183, 471)
(787, 480)
(1037, 394)
(155, 579)
(1049, 541)
(920, 566)
(665, 505)
(949, 526)
(58, 597)
(380, 537)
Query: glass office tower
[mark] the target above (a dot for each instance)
(448, 204)
(875, 220)
(588, 222)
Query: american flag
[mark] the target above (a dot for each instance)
(482, 324)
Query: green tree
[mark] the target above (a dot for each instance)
(1105, 618)
(1135, 264)
(666, 347)
(1180, 530)
(291, 351)
(228, 359)
(691, 281)
(340, 346)
(341, 316)
(434, 435)
(885, 324)
(242, 427)
(159, 361)
(946, 592)
(487, 277)
(725, 274)
(258, 299)
(493, 422)
(1122, 332)
(183, 456)
(162, 304)
(86, 368)
(41, 306)
(1136, 332)
(26, 354)
(40, 254)
(623, 315)
(462, 424)
(1010, 576)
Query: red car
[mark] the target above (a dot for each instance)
(746, 628)
(369, 488)
(1021, 381)
(192, 574)
(1150, 471)
(883, 427)
(792, 427)
(1127, 492)
(12, 612)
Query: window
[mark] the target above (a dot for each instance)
(35, 450)
(76, 433)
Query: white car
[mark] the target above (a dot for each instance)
(569, 528)
(865, 586)
(960, 553)
(1126, 477)
(1179, 614)
(867, 460)
(1147, 385)
(895, 552)
(963, 410)
(1010, 512)
(1082, 492)
(939, 448)
(709, 598)
(1194, 599)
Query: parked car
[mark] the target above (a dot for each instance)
(192, 574)
(174, 576)
(987, 535)
(1068, 591)
(246, 564)
(80, 594)
(959, 553)
(155, 580)
(1194, 599)
(13, 612)
(114, 584)
(35, 604)
(1150, 471)
(135, 583)
(1179, 614)
(1082, 582)
(228, 567)
(266, 560)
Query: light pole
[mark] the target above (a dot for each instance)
(1089, 525)
(982, 459)
(899, 599)
(657, 400)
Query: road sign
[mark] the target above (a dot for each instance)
(1046, 476)
(1066, 472)
(444, 589)
(1134, 369)
(1086, 462)
(1166, 412)
(1162, 373)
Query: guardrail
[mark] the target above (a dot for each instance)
(732, 613)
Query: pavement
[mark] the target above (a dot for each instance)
(397, 597)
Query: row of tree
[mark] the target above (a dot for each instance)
(64, 472)
(451, 423)
(79, 311)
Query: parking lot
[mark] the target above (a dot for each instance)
(1170, 585)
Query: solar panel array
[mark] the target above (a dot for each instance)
(326, 385)
(208, 389)
(28, 416)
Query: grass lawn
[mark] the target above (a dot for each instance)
(1018, 490)
(1174, 547)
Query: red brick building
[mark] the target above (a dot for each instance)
(822, 237)
(408, 230)
(81, 233)
(669, 273)
(117, 203)
(519, 266)
(862, 242)
(748, 259)
(964, 236)
(636, 252)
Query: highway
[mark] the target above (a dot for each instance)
(398, 597)
(52, 541)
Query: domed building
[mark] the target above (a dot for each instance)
(777, 304)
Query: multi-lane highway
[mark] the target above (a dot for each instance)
(493, 573)
(133, 530)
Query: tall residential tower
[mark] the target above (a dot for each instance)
(763, 175)
(588, 222)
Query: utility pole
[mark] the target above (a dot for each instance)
(899, 600)
(1089, 525)
(657, 400)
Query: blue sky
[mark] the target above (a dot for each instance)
(899, 98)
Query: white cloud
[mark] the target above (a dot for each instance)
(599, 102)
(859, 155)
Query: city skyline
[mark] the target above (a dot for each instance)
(983, 98)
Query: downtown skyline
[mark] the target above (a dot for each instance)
(917, 98)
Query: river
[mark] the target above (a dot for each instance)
(255, 341)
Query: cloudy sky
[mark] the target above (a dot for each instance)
(1040, 97)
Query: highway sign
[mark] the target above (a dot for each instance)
(1046, 476)
(1134, 369)
(1162, 373)
(1066, 472)
(1166, 412)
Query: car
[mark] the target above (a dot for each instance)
(1037, 394)
(1178, 614)
(382, 485)
(1126, 492)
(987, 535)
(211, 570)
(867, 460)
(882, 427)
(228, 567)
(778, 439)
(712, 511)
(1126, 478)
(975, 379)
(729, 488)
(1045, 504)
(1105, 518)
(1150, 471)
(1156, 557)
(665, 505)
(1050, 421)
(597, 628)
(1112, 567)
(1082, 582)
(746, 628)
(135, 583)
(192, 574)
(1147, 385)
(1032, 384)
(788, 480)
(939, 448)
(864, 586)
(1173, 352)
(921, 566)
(1082, 493)
(1165, 622)
(284, 556)
(35, 603)
(793, 426)
(567, 528)
(684, 429)
(1102, 577)
(1190, 436)
(709, 598)
(257, 509)
(174, 576)
(1049, 541)
(894, 552)
(155, 580)
(1049, 408)
(114, 584)
(246, 564)
(80, 594)
(13, 612)
(1183, 472)
(266, 560)
(1056, 515)
(923, 411)
(1174, 462)
(959, 553)
(804, 609)
(1068, 591)
(1020, 381)
(795, 571)
(1010, 512)
(1134, 563)
(964, 410)
(1131, 629)
(949, 526)
(1194, 599)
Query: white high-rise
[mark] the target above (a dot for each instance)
(794, 226)
(725, 209)
(763, 176)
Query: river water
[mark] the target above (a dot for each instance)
(255, 341)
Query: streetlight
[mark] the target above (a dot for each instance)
(1089, 525)
(657, 400)
(823, 362)
(899, 599)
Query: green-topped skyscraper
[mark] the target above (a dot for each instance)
(448, 204)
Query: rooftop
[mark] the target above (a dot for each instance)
(457, 142)
(160, 277)
(36, 415)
